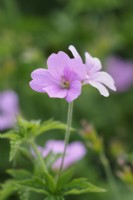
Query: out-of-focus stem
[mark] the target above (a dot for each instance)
(110, 176)
(39, 157)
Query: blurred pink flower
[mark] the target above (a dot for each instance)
(121, 71)
(75, 151)
(62, 79)
(8, 109)
(94, 76)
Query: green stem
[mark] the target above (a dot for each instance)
(39, 157)
(67, 136)
(109, 176)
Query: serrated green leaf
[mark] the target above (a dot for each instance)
(50, 182)
(50, 125)
(31, 129)
(6, 189)
(19, 174)
(80, 186)
(65, 177)
(26, 153)
(14, 145)
(24, 194)
(10, 135)
(35, 184)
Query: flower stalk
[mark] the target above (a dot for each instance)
(67, 136)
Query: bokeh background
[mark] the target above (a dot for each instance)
(31, 30)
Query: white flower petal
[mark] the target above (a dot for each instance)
(104, 78)
(93, 64)
(103, 91)
(74, 52)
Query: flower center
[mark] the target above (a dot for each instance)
(65, 84)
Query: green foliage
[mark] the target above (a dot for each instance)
(7, 189)
(24, 194)
(65, 178)
(41, 179)
(27, 131)
(19, 174)
(80, 186)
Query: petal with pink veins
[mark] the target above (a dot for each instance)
(55, 91)
(57, 63)
(74, 91)
(35, 85)
(78, 68)
(41, 78)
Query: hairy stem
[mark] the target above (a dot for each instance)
(67, 136)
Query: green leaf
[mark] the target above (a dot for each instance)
(24, 194)
(19, 174)
(6, 189)
(26, 153)
(10, 135)
(65, 177)
(81, 185)
(50, 125)
(34, 184)
(50, 182)
(14, 145)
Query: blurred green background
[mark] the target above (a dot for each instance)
(31, 30)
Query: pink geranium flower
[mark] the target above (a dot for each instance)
(94, 76)
(62, 79)
(122, 72)
(75, 152)
(9, 109)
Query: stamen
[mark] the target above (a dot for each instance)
(65, 84)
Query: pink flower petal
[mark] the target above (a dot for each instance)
(75, 151)
(70, 75)
(9, 102)
(74, 52)
(38, 87)
(78, 68)
(103, 91)
(41, 78)
(74, 91)
(104, 78)
(57, 63)
(9, 107)
(79, 150)
(39, 73)
(55, 91)
(122, 72)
